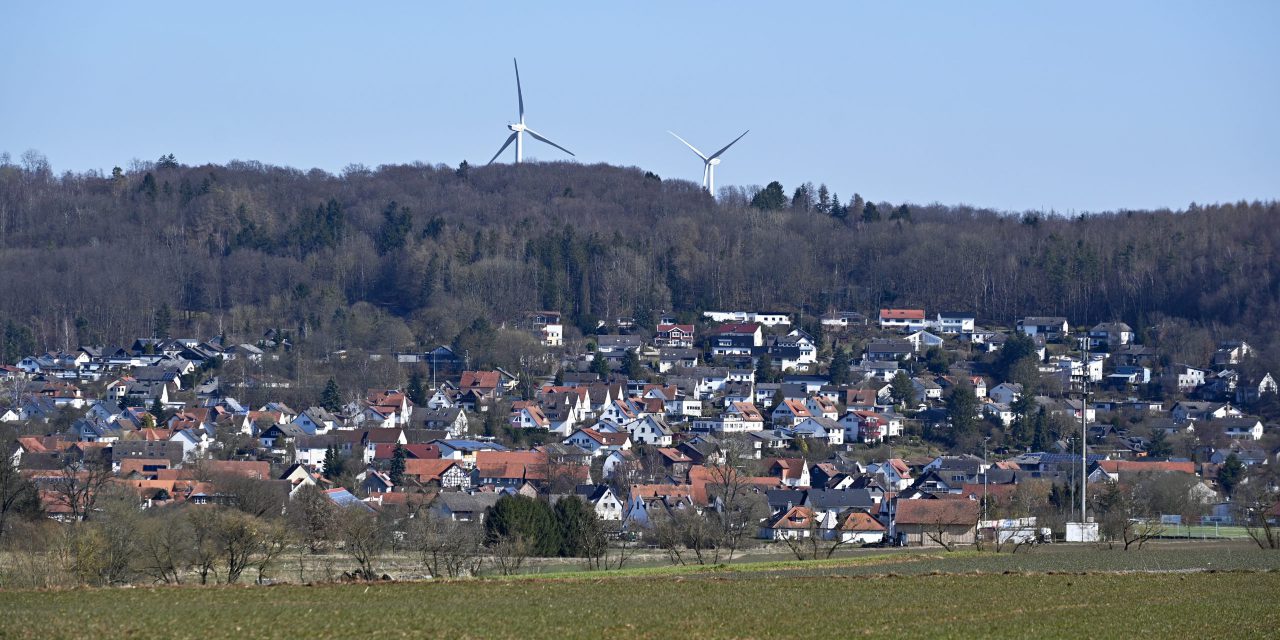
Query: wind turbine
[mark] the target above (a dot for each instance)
(709, 162)
(519, 129)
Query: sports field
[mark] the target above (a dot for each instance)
(1060, 593)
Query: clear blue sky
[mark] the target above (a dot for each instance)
(1077, 106)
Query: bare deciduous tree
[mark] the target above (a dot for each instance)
(446, 547)
(165, 541)
(1258, 509)
(79, 483)
(509, 553)
(364, 536)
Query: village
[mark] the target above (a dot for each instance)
(903, 428)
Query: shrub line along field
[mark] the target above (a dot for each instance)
(1069, 592)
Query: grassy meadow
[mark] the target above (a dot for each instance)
(1066, 592)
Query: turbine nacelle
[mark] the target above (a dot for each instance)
(518, 129)
(709, 163)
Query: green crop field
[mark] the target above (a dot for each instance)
(1080, 592)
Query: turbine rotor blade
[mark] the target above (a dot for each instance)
(726, 147)
(519, 93)
(511, 138)
(686, 143)
(539, 137)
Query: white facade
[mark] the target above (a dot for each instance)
(954, 323)
(768, 319)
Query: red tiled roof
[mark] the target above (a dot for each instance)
(934, 512)
(606, 439)
(427, 470)
(902, 314)
(674, 455)
(748, 411)
(793, 518)
(790, 468)
(661, 490)
(479, 380)
(248, 468)
(130, 465)
(860, 521)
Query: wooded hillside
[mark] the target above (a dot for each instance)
(386, 258)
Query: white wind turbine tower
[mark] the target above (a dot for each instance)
(519, 129)
(709, 162)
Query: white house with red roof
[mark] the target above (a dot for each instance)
(598, 443)
(790, 412)
(903, 319)
(528, 415)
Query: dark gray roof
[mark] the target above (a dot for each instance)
(780, 498)
(840, 499)
(458, 502)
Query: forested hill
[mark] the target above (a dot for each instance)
(383, 258)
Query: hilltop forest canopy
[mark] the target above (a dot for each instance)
(418, 254)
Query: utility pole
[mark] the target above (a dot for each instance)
(893, 538)
(986, 471)
(1084, 431)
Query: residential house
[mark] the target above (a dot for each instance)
(1110, 335)
(1000, 412)
(1051, 327)
(789, 413)
(547, 327)
(279, 436)
(795, 523)
(736, 340)
(1187, 410)
(621, 463)
(1231, 352)
(452, 421)
(903, 319)
(674, 336)
(465, 450)
(650, 430)
(936, 522)
(857, 526)
(1005, 393)
(670, 359)
(793, 472)
(1185, 377)
(818, 428)
(842, 319)
(821, 407)
(922, 340)
(766, 318)
(1250, 390)
(464, 507)
(317, 421)
(1113, 470)
(926, 389)
(601, 498)
(597, 443)
(955, 322)
(1241, 427)
(446, 474)
(888, 351)
(675, 461)
(477, 389)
